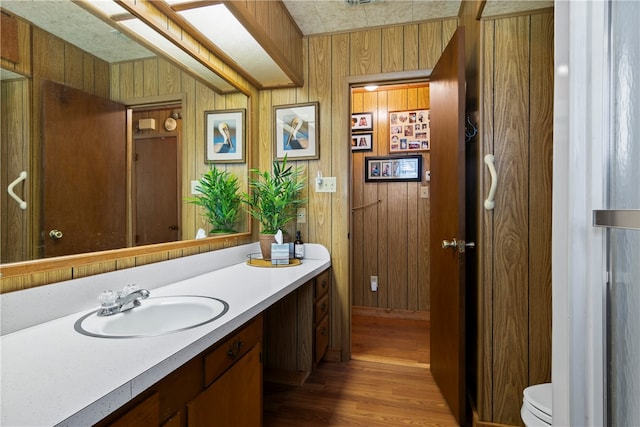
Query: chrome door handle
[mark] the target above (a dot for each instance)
(460, 244)
(55, 234)
(446, 244)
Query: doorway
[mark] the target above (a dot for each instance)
(155, 174)
(390, 227)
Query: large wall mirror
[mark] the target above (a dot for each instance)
(111, 135)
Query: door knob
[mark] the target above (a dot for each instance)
(55, 234)
(460, 244)
(446, 244)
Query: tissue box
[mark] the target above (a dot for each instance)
(279, 254)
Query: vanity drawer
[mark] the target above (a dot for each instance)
(322, 308)
(232, 349)
(322, 283)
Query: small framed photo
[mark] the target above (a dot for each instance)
(362, 141)
(361, 122)
(390, 168)
(225, 136)
(409, 131)
(297, 131)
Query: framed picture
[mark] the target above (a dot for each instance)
(225, 136)
(361, 122)
(409, 131)
(390, 168)
(297, 131)
(362, 141)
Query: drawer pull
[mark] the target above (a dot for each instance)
(323, 307)
(234, 350)
(323, 331)
(323, 284)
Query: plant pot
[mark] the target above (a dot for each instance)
(265, 244)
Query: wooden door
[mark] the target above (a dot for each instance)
(156, 190)
(84, 172)
(447, 224)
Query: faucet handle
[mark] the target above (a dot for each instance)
(107, 298)
(130, 288)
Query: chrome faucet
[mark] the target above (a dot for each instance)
(117, 302)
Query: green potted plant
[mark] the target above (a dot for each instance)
(274, 200)
(219, 199)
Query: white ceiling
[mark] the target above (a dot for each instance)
(329, 16)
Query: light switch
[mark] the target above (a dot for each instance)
(327, 185)
(193, 188)
(424, 192)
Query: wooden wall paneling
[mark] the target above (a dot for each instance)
(168, 78)
(126, 89)
(138, 72)
(392, 56)
(412, 237)
(423, 224)
(319, 83)
(15, 150)
(381, 148)
(540, 190)
(449, 27)
(370, 217)
(430, 40)
(365, 52)
(23, 65)
(73, 69)
(358, 215)
(150, 73)
(189, 128)
(411, 47)
(511, 145)
(484, 307)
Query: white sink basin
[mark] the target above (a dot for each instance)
(156, 316)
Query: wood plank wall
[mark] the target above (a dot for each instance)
(328, 61)
(517, 87)
(391, 238)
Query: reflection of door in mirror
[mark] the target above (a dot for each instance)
(156, 190)
(84, 172)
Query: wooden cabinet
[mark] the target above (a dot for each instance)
(297, 332)
(222, 386)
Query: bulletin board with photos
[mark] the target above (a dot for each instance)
(409, 131)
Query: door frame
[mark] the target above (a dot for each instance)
(146, 103)
(578, 292)
(381, 79)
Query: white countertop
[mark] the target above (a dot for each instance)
(53, 375)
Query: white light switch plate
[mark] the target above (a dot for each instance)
(193, 187)
(424, 192)
(328, 185)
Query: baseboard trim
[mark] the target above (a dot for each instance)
(477, 423)
(390, 313)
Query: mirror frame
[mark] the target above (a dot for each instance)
(71, 261)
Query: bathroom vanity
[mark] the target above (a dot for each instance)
(54, 375)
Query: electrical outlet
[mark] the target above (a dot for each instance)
(328, 185)
(301, 217)
(374, 283)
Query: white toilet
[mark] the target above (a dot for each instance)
(536, 405)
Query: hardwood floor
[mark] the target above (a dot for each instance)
(380, 386)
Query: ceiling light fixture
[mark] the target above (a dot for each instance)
(361, 2)
(371, 88)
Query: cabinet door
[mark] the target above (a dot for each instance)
(235, 399)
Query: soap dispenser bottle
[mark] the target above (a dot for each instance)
(298, 246)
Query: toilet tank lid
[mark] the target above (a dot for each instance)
(539, 396)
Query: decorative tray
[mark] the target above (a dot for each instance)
(256, 260)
